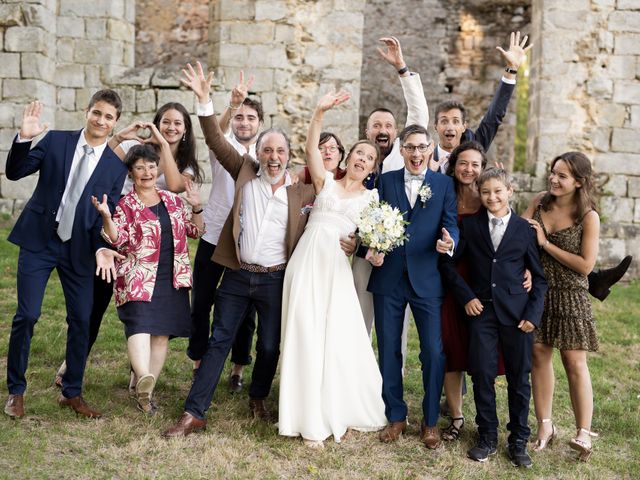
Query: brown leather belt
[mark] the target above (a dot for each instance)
(250, 267)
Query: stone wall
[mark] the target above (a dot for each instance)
(584, 84)
(452, 44)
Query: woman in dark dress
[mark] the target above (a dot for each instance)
(149, 227)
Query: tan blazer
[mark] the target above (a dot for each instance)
(243, 169)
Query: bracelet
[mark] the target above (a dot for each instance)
(403, 70)
(196, 212)
(512, 71)
(231, 107)
(546, 242)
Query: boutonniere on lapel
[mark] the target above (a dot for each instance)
(306, 209)
(425, 194)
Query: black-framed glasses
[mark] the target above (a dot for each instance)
(421, 148)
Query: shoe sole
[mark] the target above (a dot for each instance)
(145, 384)
(482, 460)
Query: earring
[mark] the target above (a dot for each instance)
(184, 137)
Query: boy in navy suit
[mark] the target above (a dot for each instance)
(59, 228)
(499, 246)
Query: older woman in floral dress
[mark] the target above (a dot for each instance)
(150, 228)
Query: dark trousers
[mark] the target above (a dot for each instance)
(34, 270)
(485, 332)
(389, 317)
(206, 276)
(238, 292)
(102, 293)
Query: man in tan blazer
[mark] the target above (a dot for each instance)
(263, 227)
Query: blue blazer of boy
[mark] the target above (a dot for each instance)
(498, 275)
(418, 256)
(52, 158)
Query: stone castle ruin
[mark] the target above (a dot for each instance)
(581, 90)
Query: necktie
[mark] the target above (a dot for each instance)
(496, 232)
(76, 185)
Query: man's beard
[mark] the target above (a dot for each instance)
(264, 173)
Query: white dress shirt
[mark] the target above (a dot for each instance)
(263, 222)
(94, 158)
(500, 229)
(411, 186)
(443, 158)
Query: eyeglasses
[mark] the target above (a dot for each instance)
(412, 148)
(330, 149)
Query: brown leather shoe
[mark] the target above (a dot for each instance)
(187, 425)
(392, 432)
(14, 406)
(430, 436)
(79, 406)
(259, 409)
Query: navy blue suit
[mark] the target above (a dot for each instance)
(488, 128)
(41, 250)
(495, 278)
(409, 275)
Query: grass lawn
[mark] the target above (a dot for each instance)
(53, 443)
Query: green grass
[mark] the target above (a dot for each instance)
(53, 443)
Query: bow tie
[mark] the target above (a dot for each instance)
(408, 177)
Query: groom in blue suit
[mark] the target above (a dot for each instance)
(409, 275)
(59, 228)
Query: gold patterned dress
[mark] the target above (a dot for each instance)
(567, 321)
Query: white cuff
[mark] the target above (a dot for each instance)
(205, 109)
(509, 80)
(21, 140)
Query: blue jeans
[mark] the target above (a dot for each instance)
(239, 292)
(206, 276)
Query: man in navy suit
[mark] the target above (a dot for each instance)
(409, 276)
(498, 246)
(59, 228)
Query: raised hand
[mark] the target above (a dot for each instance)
(105, 265)
(446, 243)
(130, 132)
(31, 127)
(197, 82)
(155, 137)
(101, 207)
(240, 91)
(332, 99)
(517, 50)
(191, 193)
(393, 53)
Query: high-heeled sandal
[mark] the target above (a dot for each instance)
(452, 432)
(542, 443)
(584, 450)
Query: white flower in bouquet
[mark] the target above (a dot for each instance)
(381, 227)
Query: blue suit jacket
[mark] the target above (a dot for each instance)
(418, 257)
(498, 275)
(52, 158)
(488, 128)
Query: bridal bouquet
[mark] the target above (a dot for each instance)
(381, 227)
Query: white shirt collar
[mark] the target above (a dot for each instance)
(505, 219)
(97, 151)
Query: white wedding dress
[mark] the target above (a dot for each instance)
(329, 378)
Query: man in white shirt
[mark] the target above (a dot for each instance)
(266, 221)
(383, 130)
(246, 118)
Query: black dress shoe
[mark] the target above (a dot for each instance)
(601, 281)
(235, 383)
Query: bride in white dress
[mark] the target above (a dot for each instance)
(329, 378)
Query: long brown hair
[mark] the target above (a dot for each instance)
(584, 196)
